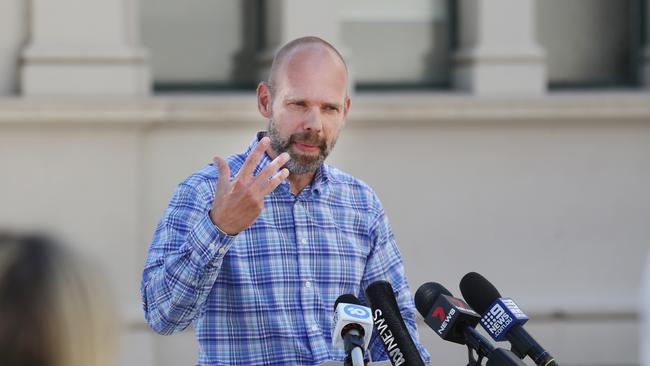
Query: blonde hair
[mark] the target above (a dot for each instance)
(54, 310)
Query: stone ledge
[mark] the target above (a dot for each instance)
(366, 108)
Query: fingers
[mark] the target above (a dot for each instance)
(223, 183)
(246, 171)
(271, 169)
(263, 181)
(275, 181)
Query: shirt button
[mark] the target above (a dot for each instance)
(211, 247)
(222, 250)
(314, 327)
(303, 241)
(307, 284)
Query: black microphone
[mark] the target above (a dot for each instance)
(453, 320)
(502, 318)
(390, 325)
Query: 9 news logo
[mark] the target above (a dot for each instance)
(502, 316)
(496, 321)
(355, 311)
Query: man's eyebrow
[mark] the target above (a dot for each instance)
(303, 100)
(294, 99)
(334, 105)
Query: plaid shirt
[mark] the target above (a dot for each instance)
(266, 296)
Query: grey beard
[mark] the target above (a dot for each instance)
(299, 164)
(296, 167)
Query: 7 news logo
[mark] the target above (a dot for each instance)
(439, 312)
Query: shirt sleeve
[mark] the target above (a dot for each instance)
(385, 263)
(183, 261)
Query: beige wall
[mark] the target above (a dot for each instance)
(551, 190)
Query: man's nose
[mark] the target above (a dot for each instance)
(314, 120)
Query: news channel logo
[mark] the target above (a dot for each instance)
(502, 316)
(356, 311)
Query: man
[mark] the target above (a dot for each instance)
(255, 252)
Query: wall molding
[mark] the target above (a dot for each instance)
(402, 109)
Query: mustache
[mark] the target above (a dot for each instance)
(309, 138)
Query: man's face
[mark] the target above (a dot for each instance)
(308, 108)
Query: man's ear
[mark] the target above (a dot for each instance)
(346, 106)
(264, 100)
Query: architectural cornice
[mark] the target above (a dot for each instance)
(611, 107)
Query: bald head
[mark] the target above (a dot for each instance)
(297, 51)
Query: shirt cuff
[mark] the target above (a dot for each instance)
(209, 243)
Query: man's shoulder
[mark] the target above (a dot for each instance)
(337, 176)
(205, 175)
(342, 181)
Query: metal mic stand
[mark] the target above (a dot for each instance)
(485, 349)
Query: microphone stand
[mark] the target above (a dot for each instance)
(484, 349)
(353, 348)
(355, 358)
(473, 361)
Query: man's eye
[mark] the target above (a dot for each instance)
(330, 108)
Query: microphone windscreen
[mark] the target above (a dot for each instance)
(347, 299)
(390, 325)
(478, 292)
(426, 296)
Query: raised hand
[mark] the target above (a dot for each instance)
(239, 202)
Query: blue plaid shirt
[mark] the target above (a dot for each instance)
(266, 296)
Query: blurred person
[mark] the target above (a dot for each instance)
(254, 250)
(53, 311)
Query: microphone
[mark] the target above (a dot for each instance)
(390, 325)
(352, 328)
(502, 318)
(453, 320)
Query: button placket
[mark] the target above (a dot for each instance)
(308, 287)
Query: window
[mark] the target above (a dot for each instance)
(403, 44)
(590, 43)
(216, 44)
(200, 44)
